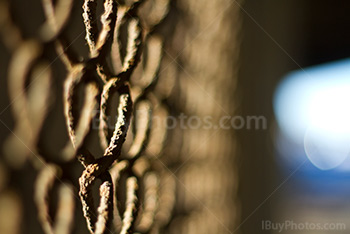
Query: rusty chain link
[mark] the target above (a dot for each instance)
(136, 194)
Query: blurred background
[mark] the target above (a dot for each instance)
(286, 61)
(294, 70)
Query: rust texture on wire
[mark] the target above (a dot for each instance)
(87, 138)
(131, 181)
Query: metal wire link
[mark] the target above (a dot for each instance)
(65, 212)
(94, 170)
(131, 193)
(30, 104)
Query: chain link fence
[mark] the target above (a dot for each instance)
(87, 145)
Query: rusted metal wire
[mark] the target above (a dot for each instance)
(209, 34)
(130, 195)
(65, 212)
(120, 82)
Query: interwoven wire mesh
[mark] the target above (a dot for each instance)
(208, 69)
(140, 62)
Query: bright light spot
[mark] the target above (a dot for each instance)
(313, 110)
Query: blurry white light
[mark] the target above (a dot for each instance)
(312, 107)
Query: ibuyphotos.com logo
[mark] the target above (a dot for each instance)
(290, 225)
(184, 121)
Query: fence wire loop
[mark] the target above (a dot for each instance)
(65, 213)
(129, 190)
